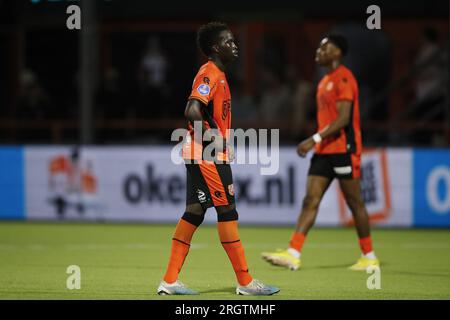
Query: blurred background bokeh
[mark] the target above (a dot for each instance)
(125, 76)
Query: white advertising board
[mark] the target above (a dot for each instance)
(143, 184)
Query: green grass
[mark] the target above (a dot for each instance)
(128, 261)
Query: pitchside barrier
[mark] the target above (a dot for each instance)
(401, 187)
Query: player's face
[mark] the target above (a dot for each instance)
(227, 48)
(326, 52)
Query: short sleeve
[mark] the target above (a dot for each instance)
(344, 90)
(204, 87)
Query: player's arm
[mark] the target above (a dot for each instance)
(344, 108)
(193, 112)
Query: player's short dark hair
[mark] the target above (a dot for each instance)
(339, 41)
(208, 35)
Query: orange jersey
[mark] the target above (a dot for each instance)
(211, 88)
(338, 85)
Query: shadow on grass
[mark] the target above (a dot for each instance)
(282, 268)
(220, 290)
(334, 266)
(340, 266)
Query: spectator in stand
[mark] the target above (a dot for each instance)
(111, 102)
(243, 105)
(429, 81)
(430, 86)
(275, 99)
(34, 102)
(152, 80)
(301, 103)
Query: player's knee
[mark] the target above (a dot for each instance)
(311, 202)
(195, 208)
(227, 213)
(224, 209)
(192, 218)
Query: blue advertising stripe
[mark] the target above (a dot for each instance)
(12, 200)
(431, 187)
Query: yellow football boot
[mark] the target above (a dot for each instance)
(282, 258)
(363, 263)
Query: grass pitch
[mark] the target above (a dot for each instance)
(128, 261)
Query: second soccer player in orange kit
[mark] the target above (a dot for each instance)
(337, 155)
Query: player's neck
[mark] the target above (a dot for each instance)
(219, 64)
(333, 66)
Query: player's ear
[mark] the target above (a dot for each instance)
(215, 49)
(338, 53)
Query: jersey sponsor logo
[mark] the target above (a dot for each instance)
(343, 170)
(201, 196)
(206, 80)
(203, 89)
(329, 86)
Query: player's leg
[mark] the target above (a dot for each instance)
(316, 186)
(351, 188)
(227, 227)
(318, 181)
(221, 187)
(181, 240)
(197, 201)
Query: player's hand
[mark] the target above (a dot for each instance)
(304, 146)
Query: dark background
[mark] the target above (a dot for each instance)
(272, 84)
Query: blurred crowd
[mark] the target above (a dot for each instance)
(281, 95)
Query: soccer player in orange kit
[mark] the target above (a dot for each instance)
(210, 183)
(337, 155)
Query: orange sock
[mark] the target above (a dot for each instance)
(297, 240)
(366, 244)
(229, 237)
(181, 242)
